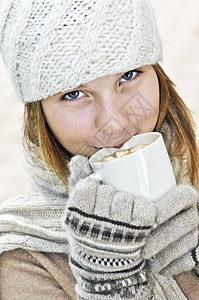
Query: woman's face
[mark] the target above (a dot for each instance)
(105, 112)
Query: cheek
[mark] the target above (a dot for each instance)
(68, 127)
(153, 94)
(146, 105)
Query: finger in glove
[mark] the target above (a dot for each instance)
(171, 231)
(181, 198)
(173, 252)
(79, 169)
(183, 264)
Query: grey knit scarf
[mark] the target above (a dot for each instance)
(35, 221)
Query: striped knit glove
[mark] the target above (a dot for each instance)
(106, 232)
(172, 247)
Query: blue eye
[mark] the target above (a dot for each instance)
(129, 75)
(75, 95)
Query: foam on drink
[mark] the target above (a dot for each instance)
(121, 153)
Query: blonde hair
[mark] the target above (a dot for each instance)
(174, 112)
(38, 135)
(40, 142)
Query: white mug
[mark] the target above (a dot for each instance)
(146, 172)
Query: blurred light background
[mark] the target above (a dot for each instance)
(179, 28)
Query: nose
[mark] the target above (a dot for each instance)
(110, 118)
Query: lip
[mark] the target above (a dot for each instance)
(116, 146)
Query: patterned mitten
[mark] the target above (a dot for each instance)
(106, 231)
(172, 246)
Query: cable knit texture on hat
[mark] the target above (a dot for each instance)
(55, 45)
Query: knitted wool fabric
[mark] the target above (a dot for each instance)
(52, 46)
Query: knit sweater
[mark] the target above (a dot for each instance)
(35, 221)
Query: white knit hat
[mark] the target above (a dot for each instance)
(50, 46)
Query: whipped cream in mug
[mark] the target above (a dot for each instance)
(121, 153)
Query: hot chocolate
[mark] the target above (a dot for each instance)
(121, 153)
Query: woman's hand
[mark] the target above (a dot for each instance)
(172, 247)
(110, 235)
(107, 230)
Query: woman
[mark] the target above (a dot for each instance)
(89, 76)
